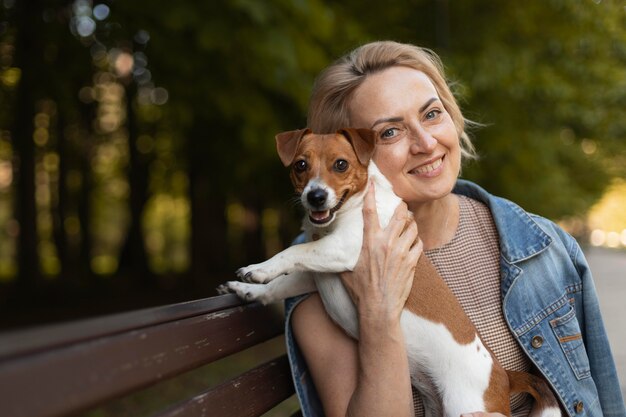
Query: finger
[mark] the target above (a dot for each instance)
(416, 251)
(370, 214)
(411, 263)
(398, 221)
(410, 219)
(410, 231)
(407, 239)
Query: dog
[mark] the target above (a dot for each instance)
(450, 366)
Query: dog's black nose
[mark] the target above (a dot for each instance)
(317, 197)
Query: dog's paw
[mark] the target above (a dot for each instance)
(254, 274)
(249, 292)
(223, 289)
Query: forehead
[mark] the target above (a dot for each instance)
(324, 144)
(390, 93)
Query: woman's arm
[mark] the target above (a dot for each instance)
(603, 368)
(369, 377)
(380, 387)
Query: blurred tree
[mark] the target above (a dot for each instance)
(546, 78)
(164, 116)
(237, 73)
(70, 67)
(133, 256)
(29, 57)
(43, 40)
(549, 79)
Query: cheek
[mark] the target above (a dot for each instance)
(299, 182)
(390, 159)
(445, 133)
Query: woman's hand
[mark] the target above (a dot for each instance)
(383, 275)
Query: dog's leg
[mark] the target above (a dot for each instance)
(546, 404)
(329, 254)
(276, 290)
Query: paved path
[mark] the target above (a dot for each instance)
(609, 271)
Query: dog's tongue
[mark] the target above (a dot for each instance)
(320, 215)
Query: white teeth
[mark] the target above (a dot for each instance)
(430, 167)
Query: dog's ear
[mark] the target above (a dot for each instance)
(287, 144)
(363, 142)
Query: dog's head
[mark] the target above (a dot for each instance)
(326, 170)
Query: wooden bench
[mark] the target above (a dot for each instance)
(66, 369)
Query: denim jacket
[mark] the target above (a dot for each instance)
(549, 303)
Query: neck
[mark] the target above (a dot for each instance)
(437, 220)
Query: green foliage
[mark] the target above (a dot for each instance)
(244, 68)
(542, 76)
(547, 79)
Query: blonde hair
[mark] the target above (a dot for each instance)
(333, 89)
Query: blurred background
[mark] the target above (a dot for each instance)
(137, 159)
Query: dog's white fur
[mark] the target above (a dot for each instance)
(438, 363)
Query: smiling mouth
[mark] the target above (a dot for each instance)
(425, 169)
(325, 216)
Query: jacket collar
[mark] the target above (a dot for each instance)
(520, 235)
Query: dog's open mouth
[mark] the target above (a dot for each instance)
(323, 217)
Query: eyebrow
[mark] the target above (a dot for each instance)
(399, 119)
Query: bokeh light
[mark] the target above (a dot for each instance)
(101, 11)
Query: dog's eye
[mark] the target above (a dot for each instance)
(300, 166)
(341, 165)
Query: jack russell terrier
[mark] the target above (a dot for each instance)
(450, 366)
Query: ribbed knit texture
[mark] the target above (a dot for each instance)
(469, 264)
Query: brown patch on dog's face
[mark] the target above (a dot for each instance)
(333, 160)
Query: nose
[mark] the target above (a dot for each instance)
(422, 141)
(317, 197)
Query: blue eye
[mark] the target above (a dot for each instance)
(432, 114)
(388, 133)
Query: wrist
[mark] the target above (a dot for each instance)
(377, 314)
(377, 327)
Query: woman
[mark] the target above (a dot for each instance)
(521, 279)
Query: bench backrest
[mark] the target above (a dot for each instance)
(65, 369)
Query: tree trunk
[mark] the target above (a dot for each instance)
(209, 248)
(133, 257)
(28, 50)
(84, 199)
(253, 236)
(65, 83)
(59, 212)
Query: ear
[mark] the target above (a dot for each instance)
(363, 142)
(287, 144)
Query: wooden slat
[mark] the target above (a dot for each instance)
(79, 376)
(23, 342)
(249, 395)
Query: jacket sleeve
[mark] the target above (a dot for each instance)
(603, 370)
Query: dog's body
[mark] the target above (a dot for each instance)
(449, 364)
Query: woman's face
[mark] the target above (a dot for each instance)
(417, 143)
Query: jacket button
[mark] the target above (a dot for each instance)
(537, 342)
(579, 407)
